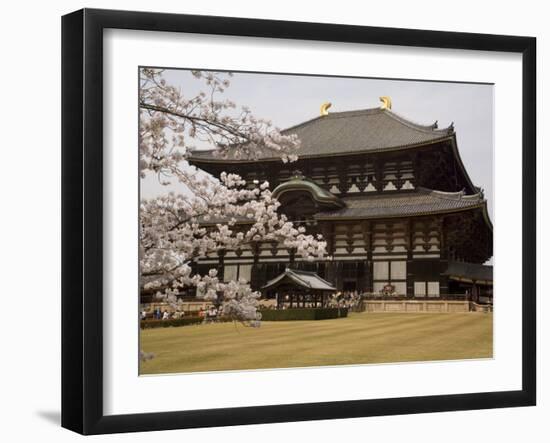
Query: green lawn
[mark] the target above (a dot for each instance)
(358, 339)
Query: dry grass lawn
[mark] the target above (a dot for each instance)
(358, 339)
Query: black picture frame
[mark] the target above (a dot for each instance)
(82, 218)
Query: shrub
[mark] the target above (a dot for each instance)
(183, 321)
(303, 314)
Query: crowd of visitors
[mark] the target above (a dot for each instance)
(209, 315)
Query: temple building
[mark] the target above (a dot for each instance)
(392, 198)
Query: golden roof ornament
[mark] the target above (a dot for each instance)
(386, 102)
(324, 108)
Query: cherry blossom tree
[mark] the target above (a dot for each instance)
(208, 215)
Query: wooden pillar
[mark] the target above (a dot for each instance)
(367, 235)
(379, 175)
(410, 246)
(398, 174)
(443, 258)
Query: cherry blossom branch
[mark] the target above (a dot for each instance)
(173, 227)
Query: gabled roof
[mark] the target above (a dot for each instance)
(308, 280)
(422, 201)
(470, 272)
(367, 130)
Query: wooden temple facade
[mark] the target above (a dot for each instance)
(392, 199)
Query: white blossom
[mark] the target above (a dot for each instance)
(177, 229)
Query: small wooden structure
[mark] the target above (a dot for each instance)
(299, 289)
(473, 279)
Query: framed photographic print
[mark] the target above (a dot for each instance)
(270, 221)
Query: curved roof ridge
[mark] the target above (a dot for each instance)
(454, 195)
(433, 128)
(478, 195)
(447, 194)
(350, 132)
(300, 183)
(333, 115)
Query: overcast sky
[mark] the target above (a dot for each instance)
(291, 99)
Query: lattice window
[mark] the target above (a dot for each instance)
(230, 272)
(398, 270)
(420, 289)
(245, 272)
(380, 270)
(426, 289)
(433, 289)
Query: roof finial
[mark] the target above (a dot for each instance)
(324, 108)
(297, 174)
(386, 102)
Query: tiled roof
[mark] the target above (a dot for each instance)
(470, 271)
(367, 130)
(309, 280)
(419, 202)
